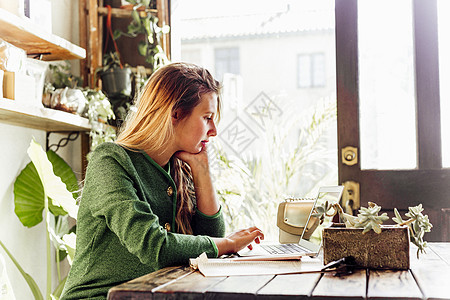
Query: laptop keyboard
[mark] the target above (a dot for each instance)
(283, 248)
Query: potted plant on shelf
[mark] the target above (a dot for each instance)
(60, 89)
(116, 78)
(145, 23)
(89, 103)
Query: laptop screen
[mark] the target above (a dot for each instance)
(311, 238)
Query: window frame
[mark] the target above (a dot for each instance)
(428, 183)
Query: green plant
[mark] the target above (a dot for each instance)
(111, 60)
(144, 22)
(60, 76)
(46, 190)
(369, 219)
(418, 225)
(99, 114)
(98, 107)
(117, 78)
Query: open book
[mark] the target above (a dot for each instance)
(245, 266)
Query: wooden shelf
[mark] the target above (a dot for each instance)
(40, 118)
(22, 33)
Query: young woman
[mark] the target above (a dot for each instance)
(148, 201)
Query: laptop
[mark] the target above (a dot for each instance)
(311, 238)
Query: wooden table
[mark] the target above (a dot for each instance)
(428, 278)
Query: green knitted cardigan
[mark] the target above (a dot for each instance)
(125, 207)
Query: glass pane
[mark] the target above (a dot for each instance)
(277, 133)
(386, 73)
(444, 75)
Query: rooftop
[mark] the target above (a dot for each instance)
(247, 21)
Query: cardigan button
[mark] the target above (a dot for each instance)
(167, 226)
(170, 191)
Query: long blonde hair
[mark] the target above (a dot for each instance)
(177, 87)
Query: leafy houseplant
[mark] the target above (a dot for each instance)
(99, 114)
(144, 22)
(116, 78)
(46, 190)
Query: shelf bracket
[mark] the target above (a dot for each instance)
(62, 142)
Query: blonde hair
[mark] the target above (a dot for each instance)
(177, 87)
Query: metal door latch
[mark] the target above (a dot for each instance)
(350, 155)
(350, 198)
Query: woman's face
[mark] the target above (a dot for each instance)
(193, 132)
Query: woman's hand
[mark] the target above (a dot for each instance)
(197, 161)
(204, 189)
(239, 240)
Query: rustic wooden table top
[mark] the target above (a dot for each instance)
(428, 278)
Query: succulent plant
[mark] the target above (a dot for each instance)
(323, 210)
(418, 224)
(369, 219)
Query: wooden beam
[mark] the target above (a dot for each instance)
(94, 50)
(427, 84)
(347, 83)
(82, 13)
(164, 19)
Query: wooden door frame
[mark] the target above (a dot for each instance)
(429, 183)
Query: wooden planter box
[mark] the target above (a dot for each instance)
(387, 250)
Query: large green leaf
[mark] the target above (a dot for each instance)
(28, 196)
(64, 171)
(29, 191)
(54, 188)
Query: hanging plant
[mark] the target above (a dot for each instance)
(144, 22)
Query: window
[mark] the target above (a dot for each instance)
(274, 139)
(386, 85)
(226, 60)
(311, 70)
(192, 55)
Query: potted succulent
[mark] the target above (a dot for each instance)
(365, 238)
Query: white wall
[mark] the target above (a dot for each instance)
(28, 244)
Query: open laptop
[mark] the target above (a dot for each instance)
(311, 237)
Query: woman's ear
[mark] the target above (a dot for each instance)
(174, 117)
